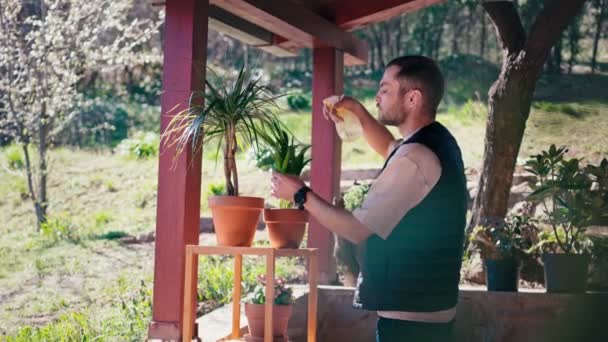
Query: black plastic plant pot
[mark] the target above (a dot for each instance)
(502, 275)
(566, 272)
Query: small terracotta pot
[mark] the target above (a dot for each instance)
(235, 219)
(280, 320)
(286, 227)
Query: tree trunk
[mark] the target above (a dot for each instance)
(29, 174)
(511, 96)
(556, 65)
(482, 39)
(41, 212)
(599, 21)
(508, 108)
(377, 35)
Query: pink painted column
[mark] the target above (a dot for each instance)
(327, 80)
(179, 187)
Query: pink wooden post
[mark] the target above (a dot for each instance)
(178, 210)
(328, 65)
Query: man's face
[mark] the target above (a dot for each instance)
(389, 100)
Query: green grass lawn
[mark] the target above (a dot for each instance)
(77, 275)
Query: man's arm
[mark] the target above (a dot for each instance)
(375, 133)
(337, 220)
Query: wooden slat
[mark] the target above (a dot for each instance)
(236, 297)
(270, 259)
(210, 250)
(189, 290)
(298, 24)
(313, 271)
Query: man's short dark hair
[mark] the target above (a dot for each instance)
(422, 73)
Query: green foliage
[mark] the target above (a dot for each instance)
(508, 238)
(130, 315)
(102, 218)
(566, 192)
(216, 189)
(135, 314)
(216, 273)
(73, 326)
(549, 242)
(14, 157)
(283, 295)
(287, 155)
(298, 102)
(58, 228)
(354, 197)
(467, 77)
(231, 113)
(565, 108)
(142, 145)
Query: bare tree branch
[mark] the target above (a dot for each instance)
(548, 27)
(508, 25)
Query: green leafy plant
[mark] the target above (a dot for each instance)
(549, 242)
(142, 145)
(599, 192)
(287, 155)
(283, 295)
(60, 227)
(565, 192)
(230, 114)
(280, 151)
(353, 198)
(14, 157)
(298, 102)
(508, 238)
(216, 189)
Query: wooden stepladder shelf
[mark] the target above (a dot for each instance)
(190, 285)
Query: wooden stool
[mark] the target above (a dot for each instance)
(190, 285)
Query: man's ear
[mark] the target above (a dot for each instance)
(413, 98)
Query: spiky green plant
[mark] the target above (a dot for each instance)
(280, 151)
(230, 112)
(287, 154)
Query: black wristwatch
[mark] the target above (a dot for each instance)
(299, 198)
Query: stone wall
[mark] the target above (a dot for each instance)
(482, 316)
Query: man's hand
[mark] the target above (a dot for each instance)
(345, 102)
(285, 186)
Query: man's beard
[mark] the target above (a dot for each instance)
(391, 120)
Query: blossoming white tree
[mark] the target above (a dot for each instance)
(47, 47)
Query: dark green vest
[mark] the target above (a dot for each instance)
(417, 268)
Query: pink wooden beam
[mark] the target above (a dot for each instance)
(297, 23)
(354, 14)
(326, 152)
(178, 204)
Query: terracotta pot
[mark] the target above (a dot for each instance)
(235, 219)
(280, 320)
(286, 227)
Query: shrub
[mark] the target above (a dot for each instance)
(14, 157)
(60, 228)
(299, 102)
(142, 145)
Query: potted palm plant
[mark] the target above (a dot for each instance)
(230, 117)
(281, 152)
(502, 245)
(281, 310)
(565, 192)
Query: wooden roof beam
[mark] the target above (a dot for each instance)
(351, 17)
(245, 31)
(298, 24)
